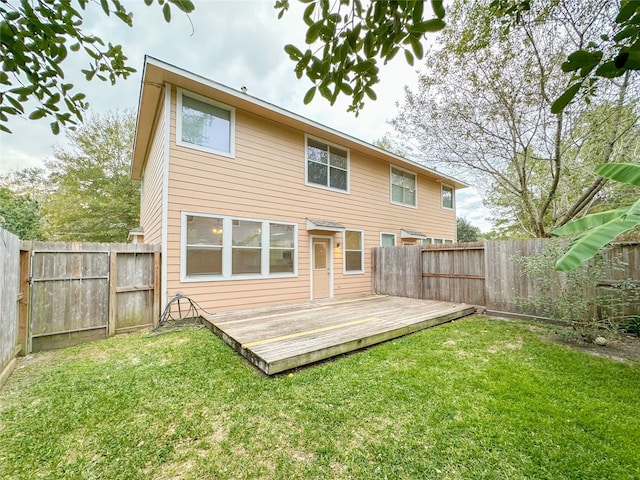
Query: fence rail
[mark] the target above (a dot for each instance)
(484, 273)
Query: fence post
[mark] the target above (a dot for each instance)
(156, 288)
(113, 299)
(23, 303)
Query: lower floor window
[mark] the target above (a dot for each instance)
(224, 247)
(353, 251)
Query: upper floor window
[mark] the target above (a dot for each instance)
(327, 165)
(403, 187)
(447, 196)
(205, 124)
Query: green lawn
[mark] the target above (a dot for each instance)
(476, 398)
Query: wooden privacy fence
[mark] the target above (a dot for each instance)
(484, 273)
(81, 292)
(10, 295)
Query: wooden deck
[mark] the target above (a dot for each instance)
(276, 339)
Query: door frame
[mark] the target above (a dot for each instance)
(330, 260)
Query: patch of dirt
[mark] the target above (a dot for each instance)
(622, 349)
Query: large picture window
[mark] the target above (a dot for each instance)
(353, 251)
(219, 248)
(327, 165)
(205, 124)
(403, 187)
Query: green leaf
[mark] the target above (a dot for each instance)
(581, 59)
(364, 66)
(309, 95)
(626, 11)
(589, 243)
(313, 32)
(609, 70)
(186, 6)
(416, 46)
(55, 128)
(293, 52)
(564, 99)
(105, 6)
(409, 57)
(628, 173)
(438, 7)
(431, 25)
(370, 93)
(166, 11)
(588, 222)
(37, 114)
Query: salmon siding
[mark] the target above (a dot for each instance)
(241, 183)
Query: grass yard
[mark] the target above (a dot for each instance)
(478, 398)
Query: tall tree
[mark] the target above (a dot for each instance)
(484, 104)
(20, 214)
(37, 36)
(465, 231)
(92, 198)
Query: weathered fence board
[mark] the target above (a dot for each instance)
(9, 297)
(394, 267)
(455, 274)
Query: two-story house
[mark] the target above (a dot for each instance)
(254, 205)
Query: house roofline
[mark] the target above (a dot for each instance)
(157, 72)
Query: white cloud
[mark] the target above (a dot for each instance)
(469, 205)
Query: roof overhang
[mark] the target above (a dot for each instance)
(156, 74)
(411, 235)
(319, 225)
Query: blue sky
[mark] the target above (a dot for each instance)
(237, 43)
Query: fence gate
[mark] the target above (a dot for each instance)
(69, 298)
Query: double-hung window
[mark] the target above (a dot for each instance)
(223, 248)
(353, 251)
(403, 187)
(327, 165)
(205, 124)
(246, 247)
(447, 197)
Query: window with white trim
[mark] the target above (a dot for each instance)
(387, 239)
(281, 248)
(223, 248)
(205, 124)
(403, 187)
(327, 165)
(353, 251)
(447, 196)
(427, 241)
(203, 248)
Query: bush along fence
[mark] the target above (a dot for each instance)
(61, 294)
(516, 277)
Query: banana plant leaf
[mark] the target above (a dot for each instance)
(596, 233)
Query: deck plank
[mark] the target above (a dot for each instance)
(277, 339)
